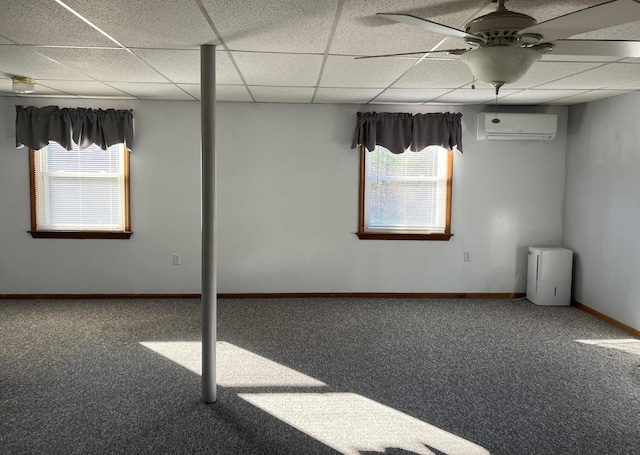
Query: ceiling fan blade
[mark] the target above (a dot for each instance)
(429, 25)
(613, 48)
(408, 54)
(594, 18)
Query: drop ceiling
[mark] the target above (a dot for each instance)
(293, 51)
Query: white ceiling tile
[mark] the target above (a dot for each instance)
(232, 93)
(630, 31)
(105, 64)
(145, 90)
(345, 95)
(46, 22)
(470, 96)
(530, 97)
(280, 46)
(223, 92)
(588, 96)
(192, 89)
(630, 60)
(361, 32)
(183, 66)
(604, 76)
(83, 88)
(633, 85)
(148, 23)
(282, 94)
(436, 74)
(543, 10)
(365, 73)
(409, 95)
(278, 69)
(273, 26)
(543, 72)
(21, 61)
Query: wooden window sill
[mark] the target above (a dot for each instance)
(402, 236)
(80, 235)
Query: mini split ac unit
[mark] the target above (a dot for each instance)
(517, 127)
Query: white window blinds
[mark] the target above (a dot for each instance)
(406, 191)
(80, 190)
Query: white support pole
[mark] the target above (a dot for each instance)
(208, 163)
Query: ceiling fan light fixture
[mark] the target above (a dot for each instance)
(500, 64)
(23, 85)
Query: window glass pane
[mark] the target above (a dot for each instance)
(406, 191)
(408, 164)
(92, 159)
(80, 189)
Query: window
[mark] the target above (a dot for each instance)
(80, 193)
(405, 196)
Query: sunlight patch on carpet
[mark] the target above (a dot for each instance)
(631, 345)
(346, 422)
(351, 424)
(236, 367)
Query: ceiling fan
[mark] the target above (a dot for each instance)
(503, 45)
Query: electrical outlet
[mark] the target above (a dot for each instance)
(467, 257)
(176, 259)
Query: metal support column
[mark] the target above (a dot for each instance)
(208, 164)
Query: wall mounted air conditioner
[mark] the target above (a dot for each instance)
(517, 127)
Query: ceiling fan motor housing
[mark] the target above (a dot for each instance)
(501, 28)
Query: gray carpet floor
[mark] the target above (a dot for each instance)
(507, 376)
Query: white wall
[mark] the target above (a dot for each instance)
(165, 213)
(602, 216)
(287, 208)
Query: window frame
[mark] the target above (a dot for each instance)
(399, 234)
(72, 234)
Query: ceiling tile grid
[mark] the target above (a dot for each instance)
(164, 24)
(144, 90)
(288, 70)
(419, 96)
(183, 66)
(598, 78)
(82, 88)
(535, 96)
(300, 51)
(348, 72)
(5, 88)
(224, 92)
(46, 22)
(472, 96)
(300, 26)
(23, 61)
(345, 95)
(361, 32)
(585, 97)
(105, 64)
(434, 73)
(543, 10)
(545, 72)
(282, 94)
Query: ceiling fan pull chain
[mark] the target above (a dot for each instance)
(495, 118)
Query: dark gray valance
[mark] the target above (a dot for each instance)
(35, 127)
(398, 132)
